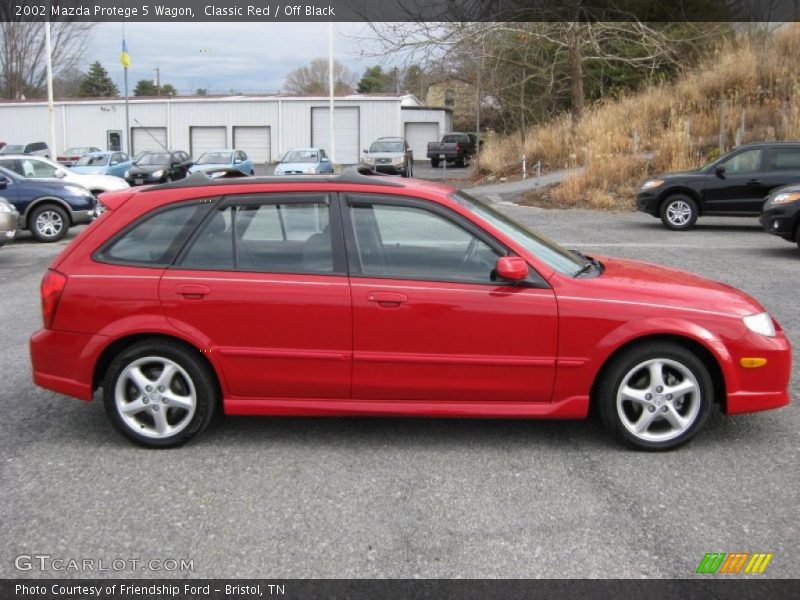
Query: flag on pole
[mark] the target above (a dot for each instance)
(125, 58)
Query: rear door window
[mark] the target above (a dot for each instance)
(785, 159)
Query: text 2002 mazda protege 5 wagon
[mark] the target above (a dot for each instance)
(363, 295)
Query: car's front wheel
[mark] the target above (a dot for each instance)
(49, 223)
(160, 394)
(679, 212)
(655, 396)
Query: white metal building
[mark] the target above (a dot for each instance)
(264, 126)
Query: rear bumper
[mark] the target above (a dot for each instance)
(8, 226)
(63, 362)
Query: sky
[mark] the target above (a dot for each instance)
(245, 57)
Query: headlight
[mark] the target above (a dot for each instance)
(398, 161)
(159, 173)
(369, 160)
(761, 323)
(77, 191)
(5, 207)
(278, 171)
(312, 171)
(652, 183)
(785, 198)
(127, 174)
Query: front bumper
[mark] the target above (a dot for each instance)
(763, 388)
(389, 169)
(648, 202)
(144, 179)
(781, 220)
(84, 216)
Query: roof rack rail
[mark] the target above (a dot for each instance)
(229, 176)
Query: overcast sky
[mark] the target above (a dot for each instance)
(247, 57)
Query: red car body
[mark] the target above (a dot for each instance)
(298, 344)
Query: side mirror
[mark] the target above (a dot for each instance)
(4, 181)
(512, 268)
(61, 174)
(113, 162)
(719, 171)
(237, 161)
(364, 150)
(325, 159)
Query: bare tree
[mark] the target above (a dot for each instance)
(313, 79)
(546, 56)
(23, 64)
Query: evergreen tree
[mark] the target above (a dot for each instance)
(97, 83)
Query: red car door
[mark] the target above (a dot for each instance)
(261, 285)
(428, 321)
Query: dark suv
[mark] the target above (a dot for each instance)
(733, 185)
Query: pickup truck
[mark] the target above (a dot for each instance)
(456, 147)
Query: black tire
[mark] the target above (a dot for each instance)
(435, 163)
(196, 378)
(48, 223)
(628, 370)
(678, 212)
(797, 235)
(407, 171)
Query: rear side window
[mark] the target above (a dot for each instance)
(785, 159)
(156, 239)
(280, 238)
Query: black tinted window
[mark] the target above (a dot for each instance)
(785, 159)
(156, 239)
(280, 238)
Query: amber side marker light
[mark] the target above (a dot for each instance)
(752, 363)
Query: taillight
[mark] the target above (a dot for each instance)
(458, 147)
(53, 284)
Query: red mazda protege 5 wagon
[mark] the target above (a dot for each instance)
(365, 295)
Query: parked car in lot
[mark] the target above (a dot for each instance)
(781, 213)
(734, 185)
(71, 155)
(103, 162)
(34, 148)
(390, 155)
(304, 161)
(9, 218)
(36, 167)
(158, 167)
(360, 295)
(224, 159)
(457, 148)
(47, 207)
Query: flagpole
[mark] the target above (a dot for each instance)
(331, 92)
(125, 61)
(50, 107)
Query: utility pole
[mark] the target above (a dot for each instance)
(331, 123)
(158, 81)
(50, 107)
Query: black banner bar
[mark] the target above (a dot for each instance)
(399, 10)
(732, 588)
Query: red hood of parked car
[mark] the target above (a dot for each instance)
(649, 283)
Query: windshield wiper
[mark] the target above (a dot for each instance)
(590, 264)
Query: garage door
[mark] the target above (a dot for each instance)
(149, 138)
(255, 141)
(346, 125)
(203, 139)
(418, 135)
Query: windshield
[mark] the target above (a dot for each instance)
(558, 258)
(12, 149)
(301, 156)
(387, 147)
(92, 161)
(154, 159)
(215, 158)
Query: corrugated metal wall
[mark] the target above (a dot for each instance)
(87, 123)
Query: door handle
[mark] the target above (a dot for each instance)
(192, 292)
(753, 182)
(387, 299)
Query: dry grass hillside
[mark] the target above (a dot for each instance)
(676, 125)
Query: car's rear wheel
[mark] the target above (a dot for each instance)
(49, 223)
(679, 212)
(655, 396)
(797, 235)
(158, 393)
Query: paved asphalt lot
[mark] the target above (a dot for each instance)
(297, 497)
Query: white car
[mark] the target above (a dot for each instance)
(37, 167)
